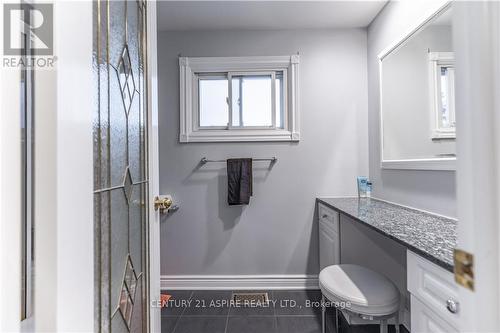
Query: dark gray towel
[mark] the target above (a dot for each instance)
(239, 181)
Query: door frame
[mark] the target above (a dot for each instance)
(476, 29)
(10, 198)
(64, 236)
(153, 165)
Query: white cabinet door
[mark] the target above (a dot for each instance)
(433, 286)
(329, 251)
(329, 217)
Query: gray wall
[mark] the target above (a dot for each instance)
(276, 233)
(429, 190)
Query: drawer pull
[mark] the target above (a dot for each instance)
(452, 306)
(324, 216)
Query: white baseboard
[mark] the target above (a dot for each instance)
(235, 282)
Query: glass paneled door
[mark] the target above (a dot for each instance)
(120, 167)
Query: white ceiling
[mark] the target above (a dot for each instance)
(247, 15)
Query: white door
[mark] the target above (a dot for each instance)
(477, 42)
(126, 225)
(64, 103)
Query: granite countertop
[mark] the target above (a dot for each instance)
(431, 236)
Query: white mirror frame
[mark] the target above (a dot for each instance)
(445, 163)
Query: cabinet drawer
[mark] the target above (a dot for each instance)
(425, 320)
(329, 217)
(433, 286)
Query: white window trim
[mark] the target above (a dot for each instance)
(189, 66)
(437, 59)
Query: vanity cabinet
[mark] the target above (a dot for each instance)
(329, 241)
(434, 296)
(429, 265)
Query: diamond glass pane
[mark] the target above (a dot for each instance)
(126, 61)
(127, 184)
(126, 78)
(122, 74)
(127, 295)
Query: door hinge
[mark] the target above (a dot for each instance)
(464, 268)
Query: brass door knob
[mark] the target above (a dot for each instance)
(163, 204)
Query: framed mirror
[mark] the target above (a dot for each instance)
(417, 97)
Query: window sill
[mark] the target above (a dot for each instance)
(240, 136)
(440, 164)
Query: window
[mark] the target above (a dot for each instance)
(442, 79)
(239, 99)
(213, 107)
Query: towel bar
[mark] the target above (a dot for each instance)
(270, 159)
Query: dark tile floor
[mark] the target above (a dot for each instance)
(289, 311)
